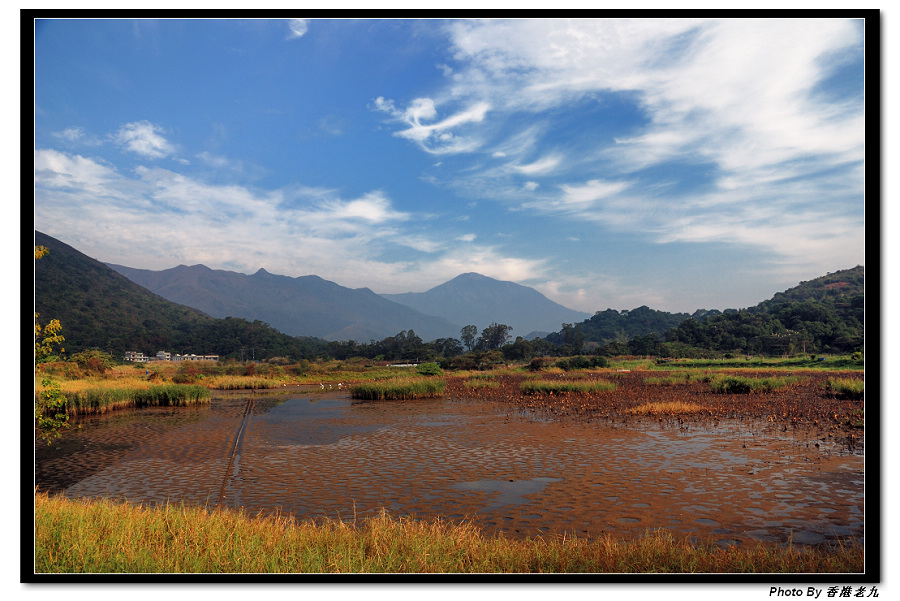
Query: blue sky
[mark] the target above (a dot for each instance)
(679, 164)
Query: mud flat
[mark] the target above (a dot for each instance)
(733, 481)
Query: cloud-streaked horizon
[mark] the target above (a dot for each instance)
(679, 163)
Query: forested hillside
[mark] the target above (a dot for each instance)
(824, 315)
(103, 310)
(616, 326)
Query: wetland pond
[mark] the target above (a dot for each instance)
(323, 455)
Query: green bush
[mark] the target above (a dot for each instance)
(429, 369)
(93, 361)
(582, 362)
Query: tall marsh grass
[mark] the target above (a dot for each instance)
(558, 386)
(740, 385)
(848, 387)
(103, 399)
(242, 382)
(398, 389)
(101, 536)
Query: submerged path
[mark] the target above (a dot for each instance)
(233, 458)
(321, 455)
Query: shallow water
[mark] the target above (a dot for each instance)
(320, 455)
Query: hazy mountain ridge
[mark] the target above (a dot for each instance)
(472, 298)
(301, 306)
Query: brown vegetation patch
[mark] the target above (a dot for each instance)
(666, 408)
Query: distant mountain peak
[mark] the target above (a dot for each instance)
(473, 298)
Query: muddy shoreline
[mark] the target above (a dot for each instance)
(524, 471)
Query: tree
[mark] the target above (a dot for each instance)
(493, 337)
(520, 350)
(50, 414)
(467, 335)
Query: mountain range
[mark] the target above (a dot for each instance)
(302, 306)
(312, 306)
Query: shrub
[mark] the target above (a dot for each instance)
(537, 364)
(93, 361)
(582, 362)
(429, 369)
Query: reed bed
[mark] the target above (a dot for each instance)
(847, 387)
(242, 382)
(481, 383)
(101, 399)
(83, 384)
(726, 384)
(665, 408)
(530, 386)
(102, 536)
(398, 389)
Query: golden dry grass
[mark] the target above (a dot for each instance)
(665, 407)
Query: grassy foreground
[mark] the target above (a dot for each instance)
(106, 537)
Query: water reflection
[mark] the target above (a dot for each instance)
(325, 456)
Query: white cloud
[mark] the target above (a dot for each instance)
(144, 138)
(590, 192)
(539, 167)
(70, 134)
(733, 85)
(55, 169)
(298, 27)
(435, 138)
(373, 207)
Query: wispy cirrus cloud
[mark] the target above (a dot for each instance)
(145, 139)
(732, 103)
(435, 137)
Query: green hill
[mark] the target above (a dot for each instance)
(101, 309)
(824, 315)
(618, 326)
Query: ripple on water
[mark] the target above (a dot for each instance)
(457, 459)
